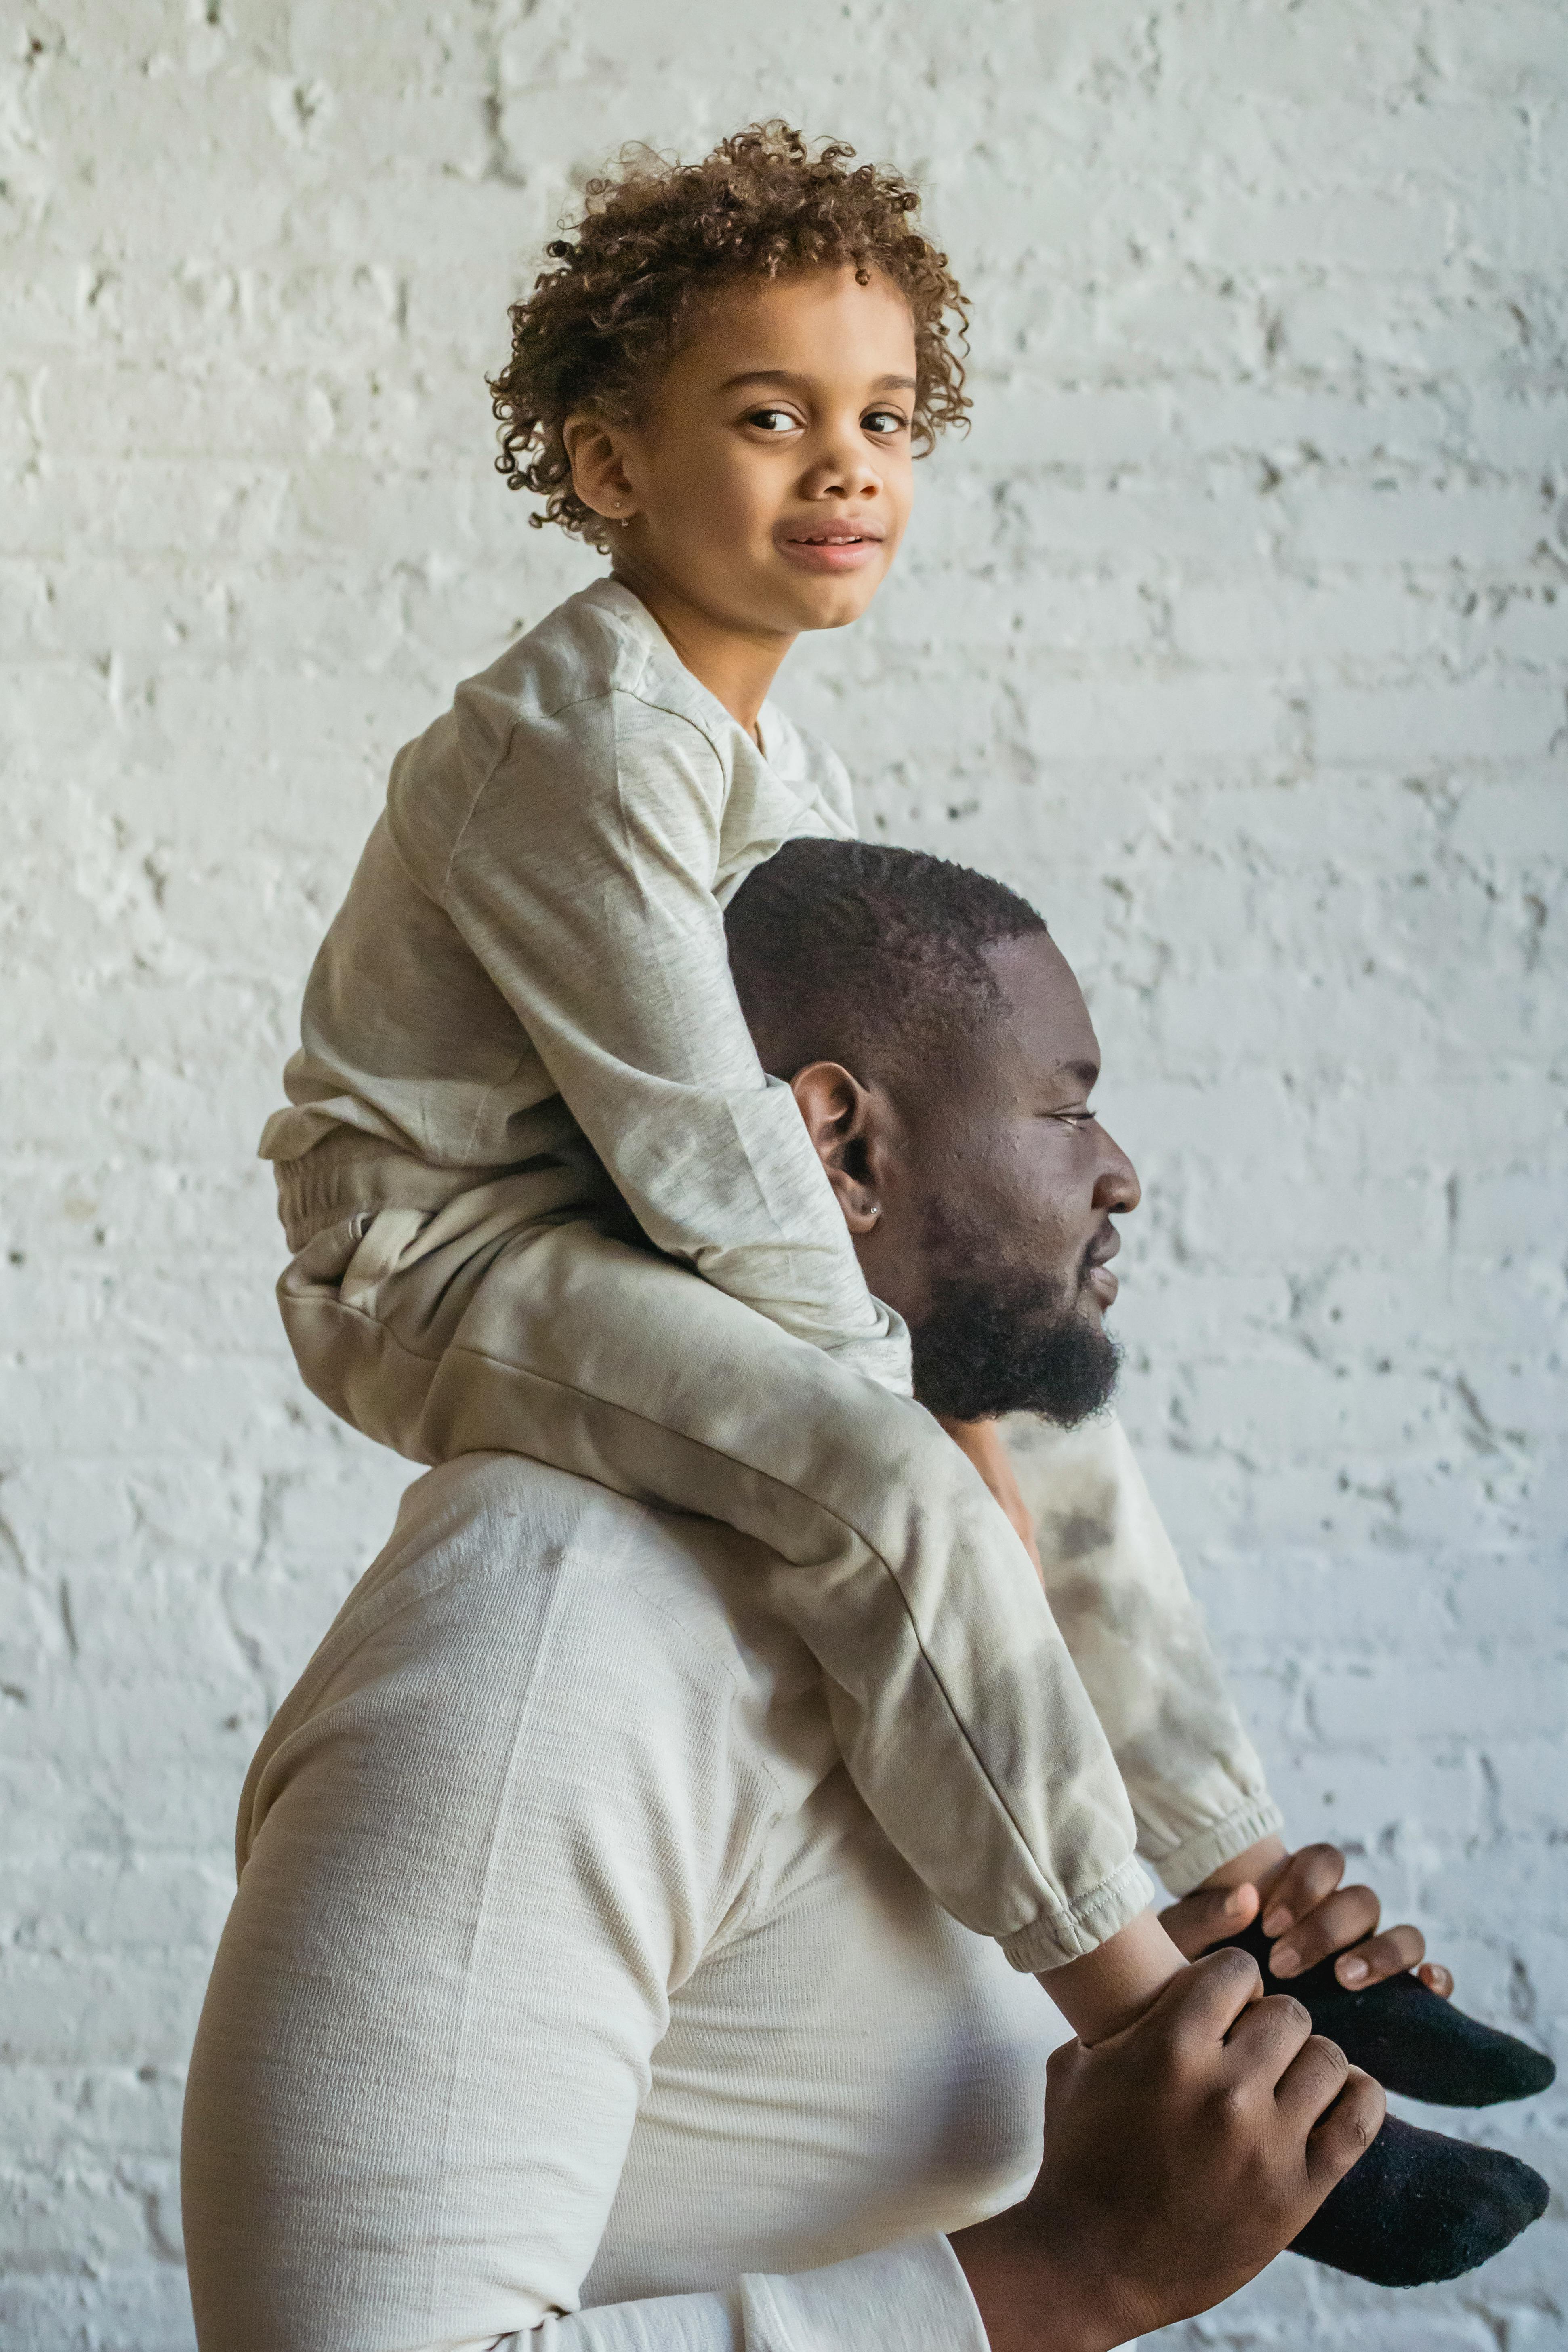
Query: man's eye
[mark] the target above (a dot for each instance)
(1074, 1118)
(772, 420)
(884, 422)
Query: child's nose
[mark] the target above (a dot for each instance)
(847, 467)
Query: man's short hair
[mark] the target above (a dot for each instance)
(850, 951)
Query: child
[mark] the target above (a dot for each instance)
(527, 1114)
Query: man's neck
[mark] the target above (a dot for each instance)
(738, 666)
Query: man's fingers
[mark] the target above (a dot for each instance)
(1207, 1913)
(1388, 1955)
(1343, 2135)
(1311, 1873)
(1437, 1978)
(1312, 2081)
(1264, 2044)
(1347, 1917)
(1202, 2004)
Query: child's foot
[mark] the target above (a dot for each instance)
(1410, 2039)
(1418, 2207)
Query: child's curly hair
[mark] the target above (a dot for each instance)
(660, 234)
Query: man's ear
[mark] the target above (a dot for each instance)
(598, 467)
(839, 1115)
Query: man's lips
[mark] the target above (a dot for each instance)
(841, 546)
(1097, 1274)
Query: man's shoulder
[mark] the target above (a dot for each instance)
(503, 1574)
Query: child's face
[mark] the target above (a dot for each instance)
(770, 478)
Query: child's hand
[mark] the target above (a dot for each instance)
(982, 1441)
(1310, 1915)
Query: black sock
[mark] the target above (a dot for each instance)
(1417, 2207)
(1409, 2039)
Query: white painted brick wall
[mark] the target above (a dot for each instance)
(1235, 633)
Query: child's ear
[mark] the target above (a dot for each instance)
(598, 471)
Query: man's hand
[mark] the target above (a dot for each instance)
(1308, 1914)
(1180, 2157)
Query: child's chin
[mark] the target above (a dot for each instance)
(833, 603)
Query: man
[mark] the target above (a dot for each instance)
(570, 1987)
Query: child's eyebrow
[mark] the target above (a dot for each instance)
(788, 377)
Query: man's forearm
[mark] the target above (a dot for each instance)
(1031, 2295)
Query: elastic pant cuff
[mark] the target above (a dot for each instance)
(1188, 1864)
(1058, 1936)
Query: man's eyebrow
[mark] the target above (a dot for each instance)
(1086, 1073)
(789, 378)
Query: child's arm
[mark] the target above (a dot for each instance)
(1109, 1990)
(1117, 1592)
(582, 876)
(982, 1441)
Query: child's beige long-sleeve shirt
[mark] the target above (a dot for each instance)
(532, 953)
(540, 913)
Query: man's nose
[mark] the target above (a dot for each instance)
(1117, 1189)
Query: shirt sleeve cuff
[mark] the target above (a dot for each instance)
(914, 2295)
(1188, 1864)
(1054, 1938)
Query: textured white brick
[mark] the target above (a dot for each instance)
(1489, 719)
(1393, 519)
(1233, 633)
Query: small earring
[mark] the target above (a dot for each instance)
(876, 1211)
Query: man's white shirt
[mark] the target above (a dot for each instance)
(571, 1988)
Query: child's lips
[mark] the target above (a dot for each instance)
(835, 546)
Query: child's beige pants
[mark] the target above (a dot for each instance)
(525, 1315)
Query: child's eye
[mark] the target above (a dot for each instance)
(884, 422)
(772, 420)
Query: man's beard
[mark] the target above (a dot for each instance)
(1015, 1344)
